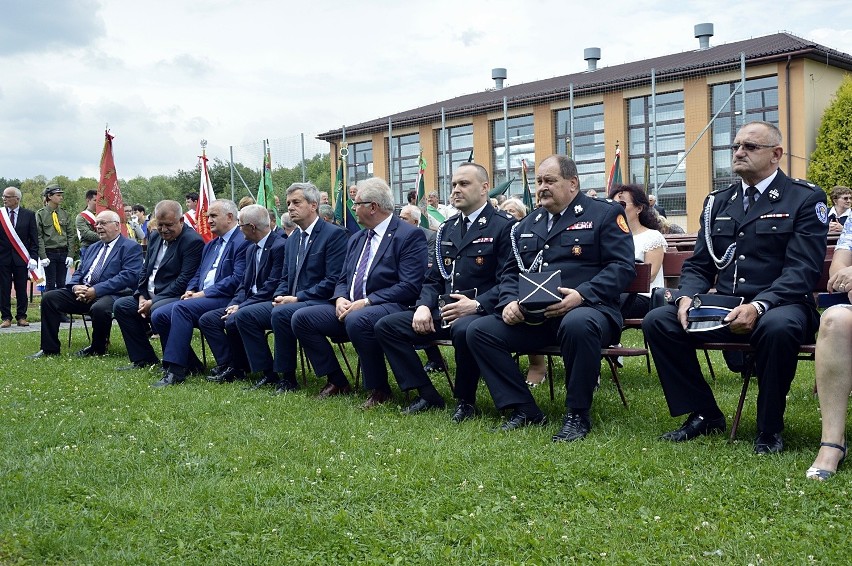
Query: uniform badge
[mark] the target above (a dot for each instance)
(577, 250)
(481, 221)
(479, 260)
(822, 212)
(448, 262)
(668, 296)
(538, 217)
(774, 195)
(696, 302)
(622, 223)
(578, 209)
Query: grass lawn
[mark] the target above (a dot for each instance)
(99, 468)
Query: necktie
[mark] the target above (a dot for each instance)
(210, 273)
(554, 220)
(303, 245)
(465, 225)
(361, 270)
(751, 194)
(56, 223)
(12, 217)
(95, 273)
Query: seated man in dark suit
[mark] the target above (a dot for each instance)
(174, 254)
(588, 243)
(110, 269)
(312, 265)
(382, 274)
(474, 248)
(223, 264)
(264, 264)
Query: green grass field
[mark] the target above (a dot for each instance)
(99, 468)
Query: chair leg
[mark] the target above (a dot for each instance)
(348, 365)
(550, 372)
(203, 349)
(710, 365)
(303, 362)
(746, 375)
(613, 367)
(447, 372)
(70, 328)
(647, 354)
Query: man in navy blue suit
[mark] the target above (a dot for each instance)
(312, 265)
(382, 274)
(110, 269)
(223, 263)
(264, 264)
(174, 254)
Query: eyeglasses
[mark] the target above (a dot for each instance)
(10, 196)
(362, 203)
(748, 146)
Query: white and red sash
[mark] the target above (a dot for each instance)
(6, 222)
(90, 218)
(190, 219)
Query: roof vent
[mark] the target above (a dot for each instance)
(592, 55)
(704, 32)
(499, 75)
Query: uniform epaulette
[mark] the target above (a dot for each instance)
(452, 218)
(728, 188)
(805, 183)
(504, 215)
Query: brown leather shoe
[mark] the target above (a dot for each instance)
(332, 390)
(6, 323)
(377, 397)
(23, 322)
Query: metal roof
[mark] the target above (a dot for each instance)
(766, 49)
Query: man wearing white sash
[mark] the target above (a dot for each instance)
(85, 223)
(18, 247)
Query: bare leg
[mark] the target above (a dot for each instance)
(537, 370)
(834, 381)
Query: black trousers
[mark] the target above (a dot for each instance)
(134, 328)
(55, 303)
(54, 274)
(11, 274)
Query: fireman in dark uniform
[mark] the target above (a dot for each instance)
(762, 239)
(471, 250)
(588, 240)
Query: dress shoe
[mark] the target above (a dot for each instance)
(519, 419)
(227, 376)
(432, 367)
(218, 369)
(169, 378)
(6, 323)
(23, 322)
(767, 443)
(271, 379)
(41, 354)
(138, 365)
(377, 397)
(420, 405)
(286, 386)
(464, 411)
(818, 474)
(87, 352)
(695, 425)
(332, 390)
(574, 427)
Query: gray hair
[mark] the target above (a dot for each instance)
(18, 192)
(286, 222)
(411, 209)
(172, 206)
(376, 190)
(775, 136)
(326, 212)
(308, 189)
(255, 214)
(228, 206)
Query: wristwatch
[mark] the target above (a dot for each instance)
(366, 301)
(479, 309)
(758, 306)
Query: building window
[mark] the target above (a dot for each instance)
(359, 162)
(458, 148)
(761, 104)
(669, 140)
(405, 157)
(521, 146)
(587, 145)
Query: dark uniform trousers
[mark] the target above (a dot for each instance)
(397, 338)
(134, 328)
(775, 339)
(55, 303)
(224, 339)
(313, 324)
(580, 335)
(55, 272)
(9, 273)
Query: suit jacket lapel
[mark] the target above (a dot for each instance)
(386, 240)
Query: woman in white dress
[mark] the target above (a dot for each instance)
(649, 244)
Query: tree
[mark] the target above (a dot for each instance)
(831, 161)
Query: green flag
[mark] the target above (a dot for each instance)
(500, 189)
(343, 205)
(528, 200)
(265, 192)
(421, 194)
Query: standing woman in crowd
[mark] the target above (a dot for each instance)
(537, 371)
(55, 238)
(648, 243)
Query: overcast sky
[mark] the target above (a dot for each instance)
(166, 73)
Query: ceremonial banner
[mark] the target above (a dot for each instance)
(205, 197)
(615, 172)
(343, 205)
(109, 193)
(421, 194)
(528, 200)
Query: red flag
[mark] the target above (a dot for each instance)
(205, 197)
(109, 193)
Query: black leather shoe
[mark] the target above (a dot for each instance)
(286, 386)
(265, 380)
(228, 375)
(169, 378)
(420, 405)
(767, 443)
(431, 367)
(464, 411)
(519, 420)
(138, 365)
(695, 425)
(87, 352)
(41, 354)
(574, 427)
(196, 370)
(218, 369)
